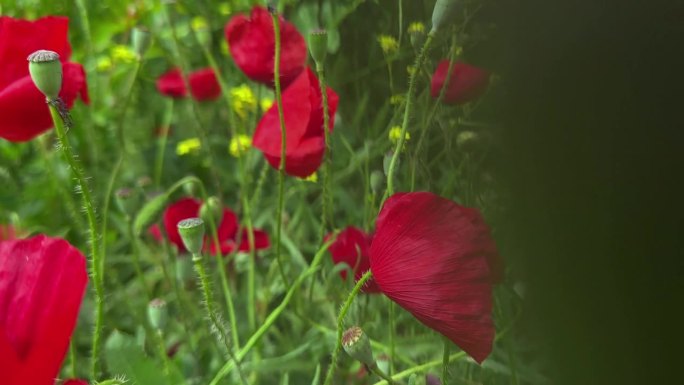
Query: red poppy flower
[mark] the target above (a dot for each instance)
(352, 247)
(42, 282)
(466, 83)
(203, 84)
(227, 230)
(74, 381)
(431, 256)
(22, 106)
(252, 46)
(303, 110)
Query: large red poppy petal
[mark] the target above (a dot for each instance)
(427, 256)
(261, 240)
(10, 362)
(465, 84)
(182, 209)
(19, 38)
(42, 282)
(204, 84)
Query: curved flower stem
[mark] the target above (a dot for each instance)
(95, 250)
(326, 217)
(378, 372)
(270, 320)
(407, 114)
(283, 146)
(161, 144)
(340, 325)
(445, 362)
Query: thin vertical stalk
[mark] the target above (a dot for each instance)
(392, 342)
(283, 147)
(326, 216)
(95, 250)
(161, 144)
(445, 362)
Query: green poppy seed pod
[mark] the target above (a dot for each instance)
(377, 181)
(444, 11)
(157, 313)
(126, 199)
(150, 213)
(141, 40)
(356, 343)
(318, 45)
(213, 209)
(191, 231)
(46, 72)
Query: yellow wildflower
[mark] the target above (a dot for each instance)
(104, 64)
(188, 146)
(388, 44)
(416, 27)
(313, 178)
(397, 99)
(395, 134)
(199, 23)
(123, 54)
(224, 9)
(239, 145)
(243, 100)
(266, 103)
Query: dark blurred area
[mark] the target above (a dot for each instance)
(593, 117)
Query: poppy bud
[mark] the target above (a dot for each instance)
(191, 231)
(416, 33)
(150, 213)
(46, 72)
(213, 209)
(157, 313)
(444, 10)
(318, 45)
(387, 160)
(141, 40)
(126, 200)
(377, 180)
(357, 345)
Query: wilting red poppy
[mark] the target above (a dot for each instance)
(466, 83)
(352, 248)
(203, 84)
(252, 46)
(22, 106)
(42, 282)
(431, 256)
(227, 230)
(303, 110)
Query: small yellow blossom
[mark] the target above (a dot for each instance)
(416, 27)
(104, 64)
(395, 134)
(199, 23)
(397, 99)
(388, 44)
(124, 54)
(266, 103)
(243, 100)
(411, 70)
(188, 146)
(225, 9)
(239, 145)
(313, 178)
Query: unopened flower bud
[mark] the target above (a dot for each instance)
(356, 343)
(211, 209)
(318, 45)
(377, 181)
(387, 160)
(46, 72)
(191, 231)
(141, 40)
(157, 313)
(126, 200)
(150, 213)
(416, 33)
(443, 12)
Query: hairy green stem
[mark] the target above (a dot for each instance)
(407, 114)
(340, 325)
(326, 215)
(95, 250)
(283, 147)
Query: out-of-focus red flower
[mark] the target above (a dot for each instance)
(227, 230)
(303, 110)
(42, 282)
(432, 256)
(252, 46)
(466, 83)
(22, 106)
(203, 84)
(352, 248)
(75, 381)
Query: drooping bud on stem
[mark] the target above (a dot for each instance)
(377, 181)
(191, 231)
(126, 200)
(46, 72)
(150, 213)
(356, 343)
(416, 33)
(141, 41)
(211, 209)
(318, 45)
(157, 313)
(444, 11)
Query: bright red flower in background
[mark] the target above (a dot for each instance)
(352, 247)
(74, 381)
(22, 106)
(303, 111)
(203, 84)
(432, 256)
(227, 230)
(252, 46)
(466, 83)
(42, 282)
